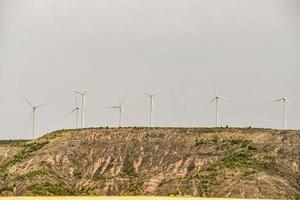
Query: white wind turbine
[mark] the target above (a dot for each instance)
(217, 99)
(83, 98)
(34, 108)
(151, 96)
(285, 101)
(121, 111)
(76, 110)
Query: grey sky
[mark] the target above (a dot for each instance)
(250, 47)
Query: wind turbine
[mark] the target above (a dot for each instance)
(34, 108)
(121, 110)
(151, 96)
(217, 99)
(285, 101)
(83, 97)
(76, 110)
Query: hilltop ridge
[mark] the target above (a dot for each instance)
(206, 162)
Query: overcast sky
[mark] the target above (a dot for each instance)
(251, 48)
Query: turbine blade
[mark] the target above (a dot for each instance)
(69, 113)
(270, 102)
(89, 89)
(212, 100)
(77, 92)
(225, 99)
(289, 102)
(157, 91)
(41, 105)
(112, 107)
(146, 93)
(123, 101)
(216, 90)
(277, 100)
(28, 102)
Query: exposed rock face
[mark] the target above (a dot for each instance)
(250, 163)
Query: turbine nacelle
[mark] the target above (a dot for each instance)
(153, 93)
(283, 99)
(82, 92)
(219, 98)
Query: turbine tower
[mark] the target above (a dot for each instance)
(121, 111)
(217, 99)
(76, 110)
(285, 101)
(34, 108)
(151, 97)
(83, 98)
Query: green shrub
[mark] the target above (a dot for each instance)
(241, 158)
(51, 189)
(30, 175)
(133, 188)
(6, 189)
(100, 178)
(200, 142)
(128, 169)
(77, 174)
(251, 147)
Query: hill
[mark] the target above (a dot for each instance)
(206, 162)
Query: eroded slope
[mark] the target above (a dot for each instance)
(256, 163)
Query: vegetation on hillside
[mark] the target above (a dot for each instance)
(206, 162)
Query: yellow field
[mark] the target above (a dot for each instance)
(103, 198)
